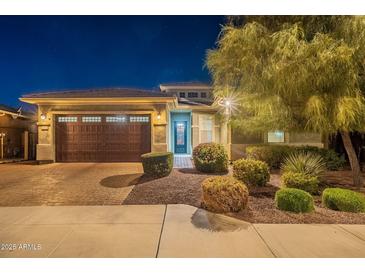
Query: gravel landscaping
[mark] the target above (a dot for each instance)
(183, 186)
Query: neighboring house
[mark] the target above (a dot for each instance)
(18, 133)
(120, 124)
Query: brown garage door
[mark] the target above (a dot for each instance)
(102, 138)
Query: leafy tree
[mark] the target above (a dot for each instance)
(294, 73)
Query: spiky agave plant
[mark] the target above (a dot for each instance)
(304, 162)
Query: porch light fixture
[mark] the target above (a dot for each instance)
(227, 105)
(159, 116)
(43, 116)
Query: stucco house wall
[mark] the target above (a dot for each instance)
(172, 103)
(241, 141)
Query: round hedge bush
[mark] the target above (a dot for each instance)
(343, 200)
(294, 200)
(251, 171)
(300, 181)
(224, 194)
(210, 158)
(157, 164)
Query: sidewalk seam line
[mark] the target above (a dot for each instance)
(349, 232)
(162, 226)
(59, 243)
(262, 238)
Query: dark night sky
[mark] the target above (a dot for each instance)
(40, 53)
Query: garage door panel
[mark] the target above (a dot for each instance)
(102, 141)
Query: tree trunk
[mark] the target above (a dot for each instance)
(354, 162)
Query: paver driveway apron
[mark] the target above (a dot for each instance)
(67, 184)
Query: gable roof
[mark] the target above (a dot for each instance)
(99, 93)
(8, 109)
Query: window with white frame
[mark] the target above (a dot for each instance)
(206, 125)
(115, 119)
(276, 136)
(91, 119)
(140, 119)
(192, 94)
(64, 119)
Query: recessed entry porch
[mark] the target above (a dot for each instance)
(180, 138)
(180, 133)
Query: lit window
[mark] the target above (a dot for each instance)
(206, 128)
(203, 95)
(192, 94)
(182, 94)
(91, 119)
(139, 119)
(276, 136)
(67, 119)
(115, 119)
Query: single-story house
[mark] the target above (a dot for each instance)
(18, 133)
(120, 124)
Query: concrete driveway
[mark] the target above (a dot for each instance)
(164, 231)
(67, 183)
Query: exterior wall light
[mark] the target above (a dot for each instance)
(228, 104)
(159, 116)
(43, 116)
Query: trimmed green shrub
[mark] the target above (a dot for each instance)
(301, 181)
(224, 194)
(157, 164)
(294, 200)
(308, 163)
(210, 158)
(343, 200)
(332, 160)
(273, 155)
(251, 171)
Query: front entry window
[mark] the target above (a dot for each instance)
(180, 132)
(180, 137)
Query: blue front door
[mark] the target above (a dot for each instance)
(180, 135)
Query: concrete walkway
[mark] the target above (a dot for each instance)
(164, 231)
(183, 161)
